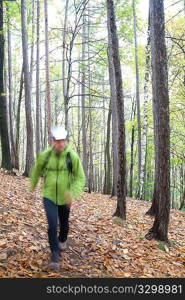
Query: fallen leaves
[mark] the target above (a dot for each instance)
(3, 255)
(122, 274)
(99, 245)
(181, 249)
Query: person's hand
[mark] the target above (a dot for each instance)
(68, 198)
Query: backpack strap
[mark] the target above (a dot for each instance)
(69, 162)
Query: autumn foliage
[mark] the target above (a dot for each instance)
(99, 245)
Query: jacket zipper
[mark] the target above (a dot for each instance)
(57, 182)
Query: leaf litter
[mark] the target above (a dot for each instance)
(98, 244)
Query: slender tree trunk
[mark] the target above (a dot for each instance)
(173, 175)
(145, 117)
(182, 200)
(159, 229)
(90, 179)
(17, 143)
(114, 124)
(101, 163)
(29, 124)
(153, 209)
(5, 146)
(114, 52)
(107, 181)
(23, 146)
(79, 115)
(37, 135)
(48, 96)
(182, 197)
(132, 150)
(138, 102)
(69, 57)
(84, 137)
(42, 122)
(64, 70)
(32, 42)
(10, 88)
(104, 139)
(90, 149)
(45, 140)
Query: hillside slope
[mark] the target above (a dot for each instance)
(99, 246)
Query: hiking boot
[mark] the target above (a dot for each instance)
(55, 261)
(62, 246)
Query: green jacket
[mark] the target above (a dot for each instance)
(57, 179)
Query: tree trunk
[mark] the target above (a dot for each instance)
(5, 146)
(161, 121)
(182, 198)
(90, 179)
(32, 42)
(145, 117)
(10, 88)
(114, 52)
(37, 135)
(48, 97)
(138, 103)
(101, 163)
(132, 150)
(153, 209)
(17, 143)
(84, 137)
(29, 125)
(79, 115)
(173, 175)
(107, 181)
(64, 71)
(114, 125)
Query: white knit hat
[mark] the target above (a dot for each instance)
(58, 133)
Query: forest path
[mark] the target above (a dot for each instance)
(98, 245)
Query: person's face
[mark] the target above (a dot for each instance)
(59, 145)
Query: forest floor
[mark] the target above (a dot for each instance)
(99, 245)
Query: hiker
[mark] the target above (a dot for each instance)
(64, 181)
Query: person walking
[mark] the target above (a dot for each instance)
(64, 180)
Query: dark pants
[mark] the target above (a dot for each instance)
(53, 213)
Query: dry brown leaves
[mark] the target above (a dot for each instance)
(99, 246)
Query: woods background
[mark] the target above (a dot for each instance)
(56, 70)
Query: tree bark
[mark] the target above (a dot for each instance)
(159, 229)
(107, 180)
(38, 146)
(10, 88)
(84, 137)
(145, 117)
(138, 103)
(5, 146)
(48, 96)
(182, 198)
(114, 124)
(79, 114)
(17, 143)
(114, 52)
(29, 124)
(32, 42)
(132, 150)
(90, 179)
(64, 71)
